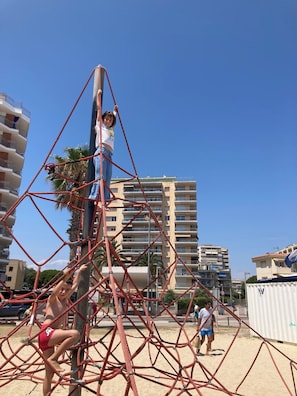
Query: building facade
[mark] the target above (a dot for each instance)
(271, 265)
(170, 228)
(15, 273)
(214, 269)
(14, 126)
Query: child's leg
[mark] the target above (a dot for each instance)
(95, 187)
(208, 346)
(64, 339)
(107, 173)
(200, 344)
(49, 373)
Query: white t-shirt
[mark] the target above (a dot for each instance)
(107, 135)
(206, 319)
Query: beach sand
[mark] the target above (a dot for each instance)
(238, 364)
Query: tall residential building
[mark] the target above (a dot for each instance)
(14, 126)
(214, 270)
(170, 229)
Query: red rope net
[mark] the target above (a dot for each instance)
(132, 341)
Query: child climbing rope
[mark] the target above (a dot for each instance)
(104, 146)
(53, 334)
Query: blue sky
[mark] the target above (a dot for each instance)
(207, 90)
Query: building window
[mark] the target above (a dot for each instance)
(10, 269)
(280, 264)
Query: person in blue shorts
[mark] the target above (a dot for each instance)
(205, 325)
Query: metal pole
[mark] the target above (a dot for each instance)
(148, 263)
(157, 286)
(83, 287)
(245, 293)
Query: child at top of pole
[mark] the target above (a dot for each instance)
(104, 129)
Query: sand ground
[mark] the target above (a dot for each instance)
(238, 364)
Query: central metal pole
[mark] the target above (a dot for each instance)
(149, 305)
(83, 286)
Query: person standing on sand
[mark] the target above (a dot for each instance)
(53, 334)
(205, 325)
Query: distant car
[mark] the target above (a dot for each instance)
(14, 309)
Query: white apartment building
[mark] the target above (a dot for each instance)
(157, 216)
(14, 126)
(214, 269)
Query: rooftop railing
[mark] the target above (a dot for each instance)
(14, 103)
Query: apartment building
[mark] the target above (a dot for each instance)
(288, 249)
(214, 269)
(15, 273)
(271, 265)
(157, 215)
(14, 126)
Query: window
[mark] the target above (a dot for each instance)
(111, 218)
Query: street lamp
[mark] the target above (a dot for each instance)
(245, 293)
(148, 218)
(157, 286)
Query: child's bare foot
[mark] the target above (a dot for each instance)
(56, 365)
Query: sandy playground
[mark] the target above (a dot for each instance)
(237, 366)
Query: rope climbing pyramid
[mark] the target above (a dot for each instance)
(131, 342)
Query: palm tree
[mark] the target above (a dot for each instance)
(100, 256)
(68, 177)
(154, 262)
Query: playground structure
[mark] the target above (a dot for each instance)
(104, 352)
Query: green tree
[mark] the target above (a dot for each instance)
(29, 278)
(252, 279)
(155, 263)
(68, 177)
(169, 296)
(201, 297)
(100, 256)
(47, 275)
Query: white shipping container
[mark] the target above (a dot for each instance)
(272, 310)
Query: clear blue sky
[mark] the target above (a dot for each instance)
(207, 90)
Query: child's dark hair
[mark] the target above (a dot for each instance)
(69, 282)
(110, 113)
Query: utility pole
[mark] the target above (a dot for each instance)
(245, 293)
(83, 287)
